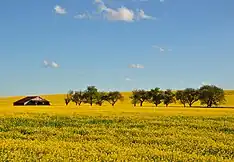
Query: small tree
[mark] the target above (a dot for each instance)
(168, 97)
(134, 98)
(90, 95)
(155, 96)
(211, 95)
(77, 97)
(134, 102)
(180, 96)
(100, 98)
(68, 97)
(191, 95)
(113, 97)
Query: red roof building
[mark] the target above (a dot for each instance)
(31, 100)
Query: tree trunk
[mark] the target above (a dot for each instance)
(66, 103)
(141, 103)
(166, 105)
(184, 105)
(156, 104)
(91, 101)
(113, 104)
(190, 104)
(209, 104)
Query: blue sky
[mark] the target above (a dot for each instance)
(95, 43)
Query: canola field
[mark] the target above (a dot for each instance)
(120, 133)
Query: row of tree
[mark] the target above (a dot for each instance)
(92, 96)
(208, 95)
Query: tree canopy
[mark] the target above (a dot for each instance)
(113, 97)
(188, 96)
(168, 97)
(211, 95)
(155, 96)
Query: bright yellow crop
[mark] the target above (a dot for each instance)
(120, 133)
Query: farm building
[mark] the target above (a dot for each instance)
(31, 100)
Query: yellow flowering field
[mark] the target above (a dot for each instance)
(120, 133)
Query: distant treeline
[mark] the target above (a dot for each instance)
(209, 95)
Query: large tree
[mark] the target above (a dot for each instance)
(113, 97)
(141, 95)
(90, 95)
(168, 97)
(180, 96)
(77, 97)
(68, 97)
(155, 96)
(100, 98)
(211, 95)
(191, 96)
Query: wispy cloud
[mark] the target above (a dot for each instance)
(52, 64)
(128, 79)
(205, 83)
(161, 49)
(137, 66)
(141, 15)
(59, 10)
(46, 63)
(161, 1)
(83, 16)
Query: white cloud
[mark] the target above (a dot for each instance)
(83, 16)
(141, 15)
(54, 64)
(128, 79)
(121, 14)
(161, 49)
(45, 63)
(137, 66)
(101, 5)
(59, 10)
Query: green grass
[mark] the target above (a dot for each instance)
(126, 137)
